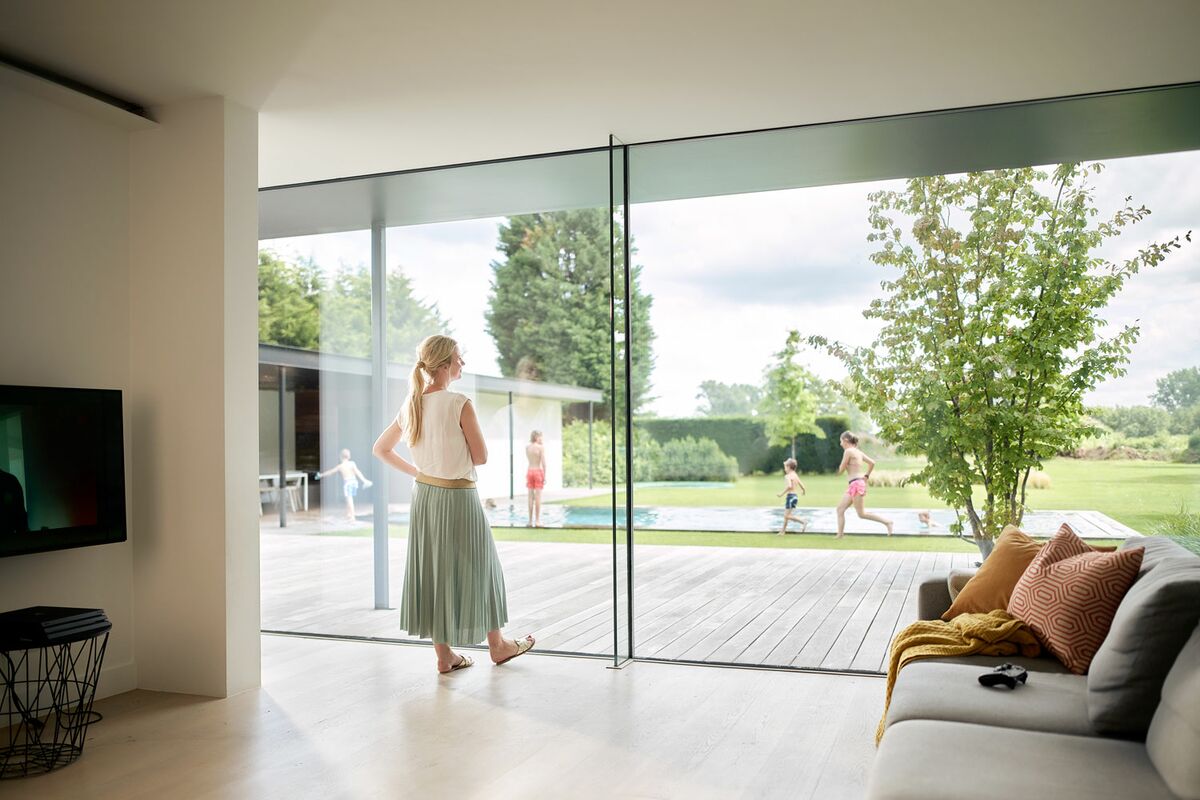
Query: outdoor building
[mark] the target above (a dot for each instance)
(325, 411)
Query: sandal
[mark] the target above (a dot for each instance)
(463, 663)
(523, 646)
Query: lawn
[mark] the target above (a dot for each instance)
(918, 544)
(1140, 494)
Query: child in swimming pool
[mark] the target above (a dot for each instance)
(351, 476)
(853, 460)
(793, 483)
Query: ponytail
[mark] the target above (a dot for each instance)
(412, 405)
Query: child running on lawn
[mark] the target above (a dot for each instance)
(793, 483)
(853, 460)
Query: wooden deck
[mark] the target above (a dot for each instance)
(834, 610)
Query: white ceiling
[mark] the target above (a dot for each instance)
(362, 86)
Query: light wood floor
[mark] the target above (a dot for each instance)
(823, 609)
(367, 720)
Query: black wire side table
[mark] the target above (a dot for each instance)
(50, 660)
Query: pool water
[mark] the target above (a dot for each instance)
(752, 520)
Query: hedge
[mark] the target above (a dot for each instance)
(745, 439)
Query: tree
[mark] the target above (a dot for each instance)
(789, 402)
(1135, 421)
(1178, 389)
(299, 305)
(991, 332)
(549, 311)
(289, 302)
(718, 398)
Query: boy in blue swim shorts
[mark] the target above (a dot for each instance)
(351, 476)
(792, 499)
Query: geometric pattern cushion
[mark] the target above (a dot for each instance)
(1069, 594)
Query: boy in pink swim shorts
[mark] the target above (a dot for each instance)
(535, 476)
(853, 462)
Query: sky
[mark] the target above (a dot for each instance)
(731, 275)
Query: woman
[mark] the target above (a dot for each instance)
(856, 491)
(453, 584)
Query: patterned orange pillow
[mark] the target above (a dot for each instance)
(1069, 594)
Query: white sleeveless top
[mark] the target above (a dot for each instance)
(442, 449)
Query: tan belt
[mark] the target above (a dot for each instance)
(445, 483)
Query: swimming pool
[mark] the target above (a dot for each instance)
(758, 520)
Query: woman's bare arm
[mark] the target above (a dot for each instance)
(870, 462)
(470, 428)
(385, 449)
(845, 461)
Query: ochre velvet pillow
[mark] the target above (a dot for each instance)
(1069, 594)
(992, 585)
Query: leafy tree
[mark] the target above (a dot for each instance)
(991, 332)
(789, 402)
(299, 305)
(1178, 389)
(728, 399)
(1135, 421)
(549, 310)
(289, 302)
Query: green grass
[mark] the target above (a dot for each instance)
(1140, 494)
(793, 541)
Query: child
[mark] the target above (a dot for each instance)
(852, 464)
(793, 483)
(535, 476)
(351, 475)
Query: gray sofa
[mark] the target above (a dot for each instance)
(1130, 728)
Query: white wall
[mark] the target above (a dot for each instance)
(64, 319)
(193, 275)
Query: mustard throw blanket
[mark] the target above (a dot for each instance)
(992, 634)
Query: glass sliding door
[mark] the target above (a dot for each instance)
(786, 307)
(514, 260)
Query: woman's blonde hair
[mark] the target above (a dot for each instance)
(433, 353)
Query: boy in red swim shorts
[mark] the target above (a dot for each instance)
(535, 477)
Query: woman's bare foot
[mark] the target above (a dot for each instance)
(890, 525)
(455, 661)
(510, 649)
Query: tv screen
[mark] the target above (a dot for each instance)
(62, 469)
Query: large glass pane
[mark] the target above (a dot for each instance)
(315, 468)
(513, 261)
(996, 350)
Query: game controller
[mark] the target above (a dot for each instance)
(1008, 675)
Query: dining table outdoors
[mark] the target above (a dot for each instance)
(294, 478)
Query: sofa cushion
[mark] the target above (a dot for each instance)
(927, 760)
(1056, 703)
(1173, 742)
(993, 584)
(957, 579)
(1040, 664)
(1069, 594)
(1153, 621)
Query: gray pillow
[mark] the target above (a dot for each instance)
(1174, 739)
(1155, 618)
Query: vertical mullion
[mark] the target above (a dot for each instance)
(628, 397)
(379, 382)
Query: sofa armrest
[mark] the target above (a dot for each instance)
(933, 596)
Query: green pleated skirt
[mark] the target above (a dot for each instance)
(453, 583)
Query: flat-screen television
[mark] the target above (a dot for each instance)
(62, 469)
